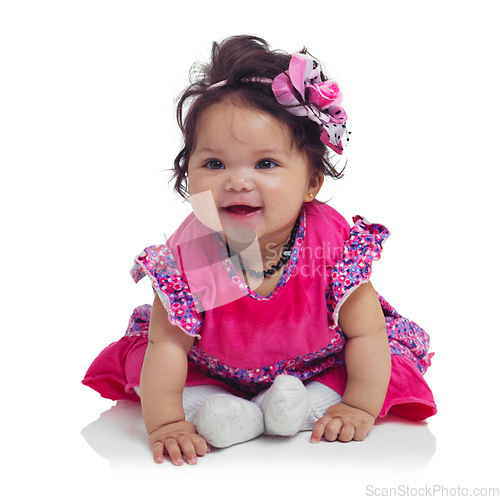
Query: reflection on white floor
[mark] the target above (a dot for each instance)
(119, 436)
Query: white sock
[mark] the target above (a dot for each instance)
(224, 420)
(193, 397)
(285, 406)
(321, 398)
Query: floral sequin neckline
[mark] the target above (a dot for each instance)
(287, 273)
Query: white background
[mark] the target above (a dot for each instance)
(87, 134)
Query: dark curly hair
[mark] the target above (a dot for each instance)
(233, 60)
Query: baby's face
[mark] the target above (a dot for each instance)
(258, 180)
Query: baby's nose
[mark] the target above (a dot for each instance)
(240, 179)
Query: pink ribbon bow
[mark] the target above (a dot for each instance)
(320, 100)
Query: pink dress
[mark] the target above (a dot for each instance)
(244, 340)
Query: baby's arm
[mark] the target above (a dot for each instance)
(163, 378)
(368, 364)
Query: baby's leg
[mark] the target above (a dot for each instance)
(221, 418)
(193, 397)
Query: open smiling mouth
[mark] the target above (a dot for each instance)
(241, 209)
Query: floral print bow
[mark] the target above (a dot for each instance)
(302, 92)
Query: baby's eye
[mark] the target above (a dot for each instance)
(265, 164)
(214, 165)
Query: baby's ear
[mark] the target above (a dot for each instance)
(315, 183)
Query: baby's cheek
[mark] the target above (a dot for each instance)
(205, 209)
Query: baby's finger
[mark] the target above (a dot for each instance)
(319, 429)
(157, 450)
(333, 429)
(200, 445)
(346, 433)
(174, 451)
(361, 432)
(188, 450)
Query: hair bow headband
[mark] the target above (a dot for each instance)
(301, 91)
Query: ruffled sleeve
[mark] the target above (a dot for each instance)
(408, 394)
(354, 267)
(159, 263)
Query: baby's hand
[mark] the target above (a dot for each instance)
(344, 423)
(177, 439)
